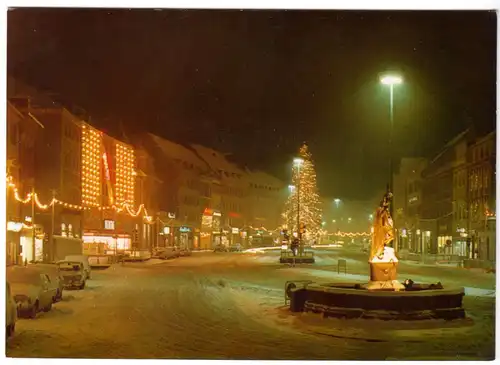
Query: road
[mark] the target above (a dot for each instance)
(231, 306)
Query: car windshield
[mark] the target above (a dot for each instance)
(70, 266)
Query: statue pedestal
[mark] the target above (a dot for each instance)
(383, 271)
(383, 276)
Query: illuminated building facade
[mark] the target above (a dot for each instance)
(125, 174)
(91, 166)
(108, 186)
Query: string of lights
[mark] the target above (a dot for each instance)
(30, 196)
(353, 234)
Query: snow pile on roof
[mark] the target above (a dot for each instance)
(261, 178)
(177, 152)
(216, 160)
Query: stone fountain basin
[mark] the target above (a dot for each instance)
(351, 300)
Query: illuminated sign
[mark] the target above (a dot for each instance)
(235, 230)
(185, 229)
(14, 226)
(109, 224)
(27, 219)
(106, 165)
(217, 214)
(208, 211)
(166, 230)
(171, 215)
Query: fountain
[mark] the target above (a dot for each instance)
(383, 297)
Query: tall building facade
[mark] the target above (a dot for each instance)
(184, 193)
(438, 206)
(482, 197)
(407, 203)
(228, 191)
(265, 200)
(112, 218)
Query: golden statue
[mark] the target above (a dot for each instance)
(383, 229)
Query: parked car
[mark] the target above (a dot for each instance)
(138, 255)
(101, 261)
(235, 248)
(10, 312)
(184, 251)
(84, 259)
(72, 274)
(55, 282)
(168, 253)
(30, 290)
(220, 248)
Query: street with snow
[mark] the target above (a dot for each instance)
(231, 306)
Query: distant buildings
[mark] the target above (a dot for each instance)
(119, 197)
(447, 205)
(407, 203)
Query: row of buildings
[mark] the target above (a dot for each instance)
(69, 179)
(447, 205)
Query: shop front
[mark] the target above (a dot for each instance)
(98, 242)
(211, 233)
(184, 237)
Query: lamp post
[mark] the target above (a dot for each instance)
(297, 162)
(391, 80)
(52, 227)
(33, 231)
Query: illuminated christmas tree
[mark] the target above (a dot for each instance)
(304, 197)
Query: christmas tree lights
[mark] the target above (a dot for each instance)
(304, 191)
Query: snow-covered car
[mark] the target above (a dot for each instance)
(138, 255)
(55, 282)
(184, 252)
(84, 259)
(235, 248)
(168, 253)
(101, 261)
(220, 248)
(30, 290)
(10, 312)
(72, 274)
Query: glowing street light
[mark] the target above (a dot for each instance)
(391, 79)
(291, 188)
(297, 163)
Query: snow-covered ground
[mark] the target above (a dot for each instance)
(231, 306)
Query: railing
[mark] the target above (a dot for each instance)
(289, 253)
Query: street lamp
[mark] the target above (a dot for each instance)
(297, 162)
(391, 80)
(337, 202)
(291, 188)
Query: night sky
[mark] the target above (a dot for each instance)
(258, 83)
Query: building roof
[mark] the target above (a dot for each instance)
(177, 152)
(451, 143)
(263, 178)
(217, 161)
